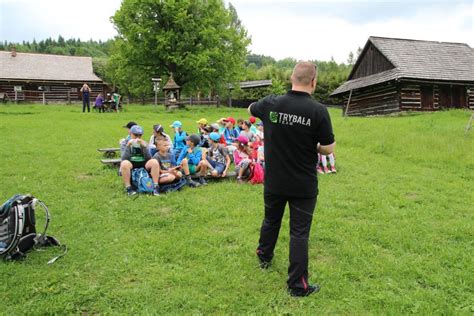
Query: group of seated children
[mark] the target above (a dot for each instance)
(211, 149)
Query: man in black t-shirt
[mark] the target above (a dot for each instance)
(294, 125)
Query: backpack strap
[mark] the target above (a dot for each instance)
(43, 240)
(16, 217)
(221, 147)
(42, 237)
(5, 207)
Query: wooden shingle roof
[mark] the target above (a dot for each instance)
(420, 60)
(43, 67)
(171, 84)
(252, 84)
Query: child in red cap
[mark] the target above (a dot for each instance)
(253, 128)
(230, 134)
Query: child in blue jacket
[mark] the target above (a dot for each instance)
(190, 158)
(179, 140)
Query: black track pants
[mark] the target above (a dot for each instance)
(86, 101)
(301, 216)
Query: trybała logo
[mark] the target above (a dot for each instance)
(274, 117)
(288, 119)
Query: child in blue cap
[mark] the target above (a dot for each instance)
(217, 159)
(179, 140)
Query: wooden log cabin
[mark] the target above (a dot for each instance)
(393, 75)
(31, 77)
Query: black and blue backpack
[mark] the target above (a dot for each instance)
(141, 180)
(18, 233)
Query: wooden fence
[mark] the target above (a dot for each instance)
(183, 102)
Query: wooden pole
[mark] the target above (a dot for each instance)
(348, 102)
(469, 124)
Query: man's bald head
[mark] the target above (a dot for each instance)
(304, 73)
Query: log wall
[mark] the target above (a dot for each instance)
(470, 97)
(442, 96)
(53, 92)
(377, 100)
(408, 96)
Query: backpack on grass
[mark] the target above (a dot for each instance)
(141, 180)
(257, 174)
(18, 228)
(173, 186)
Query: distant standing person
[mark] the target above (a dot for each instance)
(86, 94)
(290, 166)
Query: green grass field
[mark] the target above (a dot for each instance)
(392, 234)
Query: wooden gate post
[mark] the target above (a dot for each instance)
(469, 124)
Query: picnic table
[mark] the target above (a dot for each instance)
(109, 106)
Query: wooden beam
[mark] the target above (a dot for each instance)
(348, 102)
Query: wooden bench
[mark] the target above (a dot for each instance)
(229, 175)
(172, 107)
(109, 152)
(111, 162)
(116, 163)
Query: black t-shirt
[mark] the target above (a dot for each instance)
(293, 125)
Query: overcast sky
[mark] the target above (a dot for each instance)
(317, 29)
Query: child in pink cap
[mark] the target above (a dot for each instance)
(242, 158)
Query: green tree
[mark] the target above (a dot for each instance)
(359, 51)
(200, 41)
(61, 41)
(350, 59)
(260, 60)
(133, 80)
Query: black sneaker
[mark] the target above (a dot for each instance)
(263, 263)
(192, 183)
(202, 181)
(131, 191)
(156, 191)
(298, 292)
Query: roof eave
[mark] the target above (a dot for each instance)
(52, 80)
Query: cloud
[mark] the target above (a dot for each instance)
(282, 33)
(28, 19)
(302, 29)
